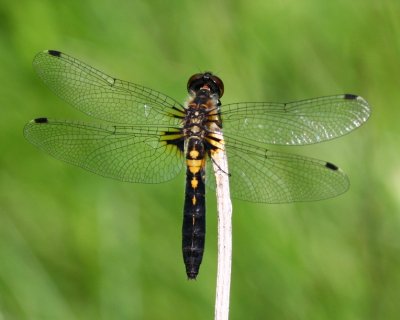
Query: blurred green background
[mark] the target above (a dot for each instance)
(74, 245)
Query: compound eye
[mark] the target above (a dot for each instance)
(194, 81)
(219, 84)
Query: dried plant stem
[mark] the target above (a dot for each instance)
(224, 206)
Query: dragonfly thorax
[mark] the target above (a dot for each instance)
(198, 110)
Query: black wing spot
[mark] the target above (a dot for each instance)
(349, 96)
(331, 166)
(54, 53)
(41, 120)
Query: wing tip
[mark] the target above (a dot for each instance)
(366, 108)
(53, 53)
(351, 96)
(29, 126)
(42, 56)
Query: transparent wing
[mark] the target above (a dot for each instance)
(104, 97)
(295, 123)
(261, 175)
(127, 153)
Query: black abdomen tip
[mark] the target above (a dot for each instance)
(54, 53)
(331, 166)
(41, 120)
(350, 96)
(192, 275)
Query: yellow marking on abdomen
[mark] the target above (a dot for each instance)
(195, 165)
(194, 200)
(194, 170)
(194, 154)
(194, 182)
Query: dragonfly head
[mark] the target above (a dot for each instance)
(206, 81)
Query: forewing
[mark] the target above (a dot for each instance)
(295, 123)
(127, 153)
(261, 175)
(104, 97)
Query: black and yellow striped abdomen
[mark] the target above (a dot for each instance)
(194, 218)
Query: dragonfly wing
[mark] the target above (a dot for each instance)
(127, 153)
(260, 175)
(101, 96)
(295, 123)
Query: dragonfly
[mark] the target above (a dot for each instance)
(148, 137)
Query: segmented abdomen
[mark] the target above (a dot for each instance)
(194, 218)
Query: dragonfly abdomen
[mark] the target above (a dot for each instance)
(194, 215)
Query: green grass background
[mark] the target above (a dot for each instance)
(74, 245)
